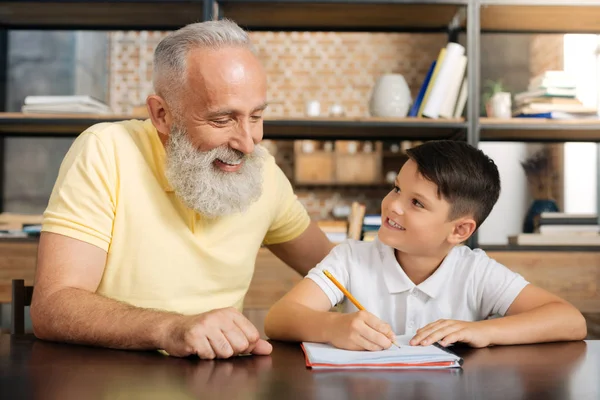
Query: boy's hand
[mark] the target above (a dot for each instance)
(360, 331)
(447, 331)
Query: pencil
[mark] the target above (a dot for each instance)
(349, 296)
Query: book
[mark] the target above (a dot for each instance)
(549, 100)
(325, 356)
(557, 115)
(555, 229)
(443, 81)
(534, 108)
(453, 91)
(414, 111)
(462, 99)
(64, 104)
(372, 219)
(565, 239)
(546, 92)
(436, 70)
(559, 218)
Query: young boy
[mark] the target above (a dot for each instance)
(417, 279)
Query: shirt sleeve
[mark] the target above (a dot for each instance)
(290, 218)
(82, 203)
(337, 263)
(497, 287)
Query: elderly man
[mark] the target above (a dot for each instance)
(152, 230)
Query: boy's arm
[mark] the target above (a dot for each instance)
(537, 316)
(303, 315)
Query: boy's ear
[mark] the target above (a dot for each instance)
(463, 229)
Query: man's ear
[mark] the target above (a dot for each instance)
(462, 230)
(160, 113)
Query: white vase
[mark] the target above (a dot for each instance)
(390, 97)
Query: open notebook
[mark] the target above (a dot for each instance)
(325, 356)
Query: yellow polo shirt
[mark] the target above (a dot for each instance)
(111, 192)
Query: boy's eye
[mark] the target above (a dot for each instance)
(417, 203)
(396, 189)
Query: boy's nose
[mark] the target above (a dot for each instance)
(397, 208)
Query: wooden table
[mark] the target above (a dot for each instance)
(34, 369)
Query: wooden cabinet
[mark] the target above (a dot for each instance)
(346, 162)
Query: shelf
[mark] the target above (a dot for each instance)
(541, 16)
(539, 130)
(100, 14)
(363, 128)
(342, 15)
(508, 247)
(59, 125)
(17, 124)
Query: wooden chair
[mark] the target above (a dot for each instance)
(21, 297)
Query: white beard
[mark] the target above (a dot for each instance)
(206, 189)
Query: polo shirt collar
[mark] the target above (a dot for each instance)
(397, 281)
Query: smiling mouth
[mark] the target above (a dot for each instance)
(232, 163)
(394, 225)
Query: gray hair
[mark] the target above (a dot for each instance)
(170, 56)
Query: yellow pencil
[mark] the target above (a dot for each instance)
(349, 296)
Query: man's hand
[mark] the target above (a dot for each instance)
(447, 331)
(360, 331)
(220, 333)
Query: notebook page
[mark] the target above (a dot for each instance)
(325, 353)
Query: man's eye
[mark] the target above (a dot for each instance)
(417, 203)
(221, 121)
(256, 118)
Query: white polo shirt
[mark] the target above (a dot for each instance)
(467, 286)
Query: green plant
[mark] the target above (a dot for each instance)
(490, 88)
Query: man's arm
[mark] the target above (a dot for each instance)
(66, 308)
(305, 251)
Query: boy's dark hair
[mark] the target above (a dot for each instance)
(466, 177)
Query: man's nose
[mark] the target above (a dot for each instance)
(242, 139)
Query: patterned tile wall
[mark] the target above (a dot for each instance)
(301, 66)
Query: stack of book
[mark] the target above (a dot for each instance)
(19, 225)
(562, 229)
(552, 95)
(64, 105)
(371, 225)
(336, 231)
(443, 93)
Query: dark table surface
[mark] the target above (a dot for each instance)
(34, 369)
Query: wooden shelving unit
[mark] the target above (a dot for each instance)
(539, 130)
(101, 14)
(476, 17)
(44, 125)
(343, 15)
(540, 16)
